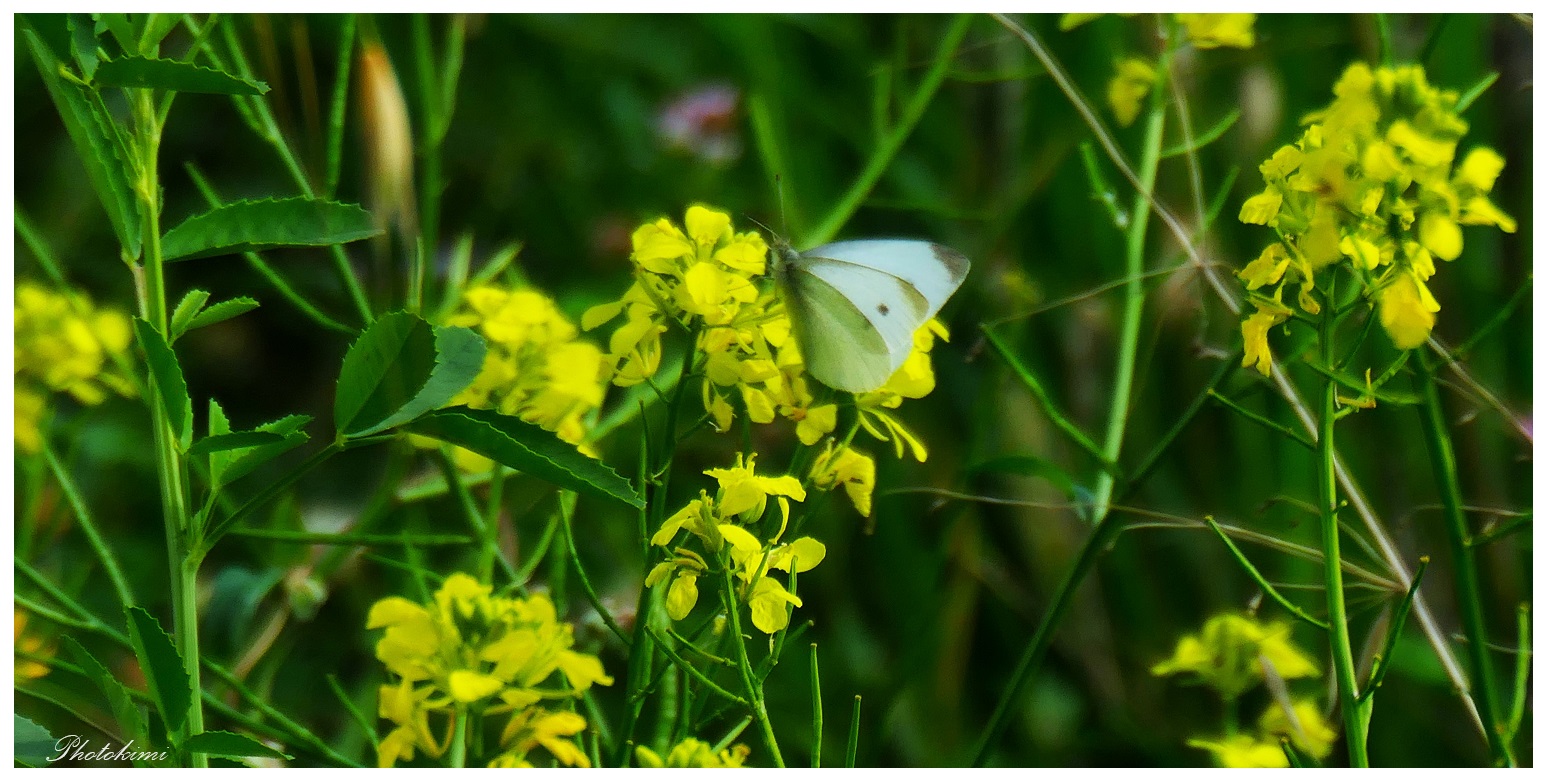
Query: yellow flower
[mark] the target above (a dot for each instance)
(1229, 652)
(743, 493)
(1254, 331)
(1133, 80)
(536, 367)
(707, 280)
(717, 522)
(63, 344)
(1241, 751)
(532, 728)
(1407, 311)
(850, 468)
(1370, 182)
(485, 655)
(1305, 726)
(26, 667)
(1209, 31)
(693, 753)
(30, 408)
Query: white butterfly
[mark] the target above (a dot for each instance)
(855, 306)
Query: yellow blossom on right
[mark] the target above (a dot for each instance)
(1374, 182)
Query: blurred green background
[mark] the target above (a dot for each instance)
(561, 140)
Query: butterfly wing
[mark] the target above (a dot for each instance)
(841, 347)
(933, 270)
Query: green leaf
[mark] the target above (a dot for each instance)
(400, 369)
(167, 377)
(162, 665)
(222, 310)
(154, 30)
(173, 75)
(131, 720)
(254, 226)
(230, 745)
(1206, 137)
(33, 744)
(526, 448)
(83, 42)
(227, 466)
(95, 143)
(188, 307)
(52, 30)
(234, 440)
(122, 29)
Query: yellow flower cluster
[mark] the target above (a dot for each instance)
(720, 525)
(1231, 655)
(706, 281)
(65, 345)
(1373, 182)
(693, 753)
(480, 655)
(535, 367)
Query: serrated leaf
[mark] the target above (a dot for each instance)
(400, 369)
(173, 75)
(83, 42)
(33, 744)
(169, 682)
(187, 308)
(95, 145)
(222, 310)
(252, 226)
(123, 708)
(234, 440)
(460, 355)
(230, 745)
(527, 448)
(167, 378)
(228, 466)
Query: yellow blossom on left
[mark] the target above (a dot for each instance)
(64, 344)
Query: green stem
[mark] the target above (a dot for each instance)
(1468, 590)
(83, 516)
(1355, 712)
(813, 683)
(752, 689)
(1131, 319)
(884, 153)
(855, 732)
(270, 492)
(1100, 539)
(182, 539)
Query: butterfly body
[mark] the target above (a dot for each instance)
(855, 305)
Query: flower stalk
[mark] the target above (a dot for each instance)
(1468, 590)
(1355, 711)
(184, 555)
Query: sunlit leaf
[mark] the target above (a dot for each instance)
(526, 448)
(252, 226)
